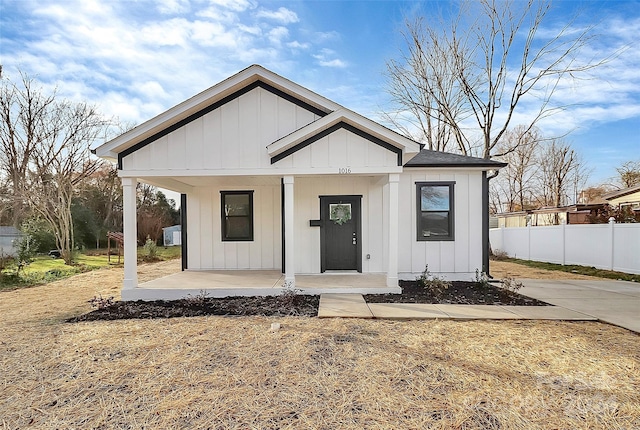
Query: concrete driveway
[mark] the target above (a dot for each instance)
(614, 302)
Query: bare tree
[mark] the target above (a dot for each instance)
(561, 174)
(629, 174)
(23, 110)
(513, 190)
(423, 86)
(47, 142)
(467, 78)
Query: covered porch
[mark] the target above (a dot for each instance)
(225, 283)
(296, 201)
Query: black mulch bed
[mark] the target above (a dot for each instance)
(283, 305)
(459, 293)
(468, 293)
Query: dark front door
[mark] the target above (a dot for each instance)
(340, 233)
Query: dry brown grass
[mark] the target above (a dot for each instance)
(503, 269)
(217, 372)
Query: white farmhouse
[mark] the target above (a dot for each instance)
(277, 179)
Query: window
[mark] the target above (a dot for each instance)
(237, 215)
(435, 210)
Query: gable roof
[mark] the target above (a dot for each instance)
(210, 99)
(429, 158)
(342, 119)
(621, 193)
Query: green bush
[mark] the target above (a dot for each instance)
(150, 251)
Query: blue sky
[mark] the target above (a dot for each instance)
(136, 58)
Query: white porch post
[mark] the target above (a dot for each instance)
(130, 233)
(290, 253)
(392, 267)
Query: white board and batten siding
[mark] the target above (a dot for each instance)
(233, 136)
(374, 209)
(454, 260)
(206, 249)
(341, 150)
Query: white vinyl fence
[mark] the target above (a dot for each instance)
(605, 246)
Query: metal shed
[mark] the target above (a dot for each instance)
(172, 236)
(9, 237)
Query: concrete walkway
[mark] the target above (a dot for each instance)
(354, 306)
(614, 302)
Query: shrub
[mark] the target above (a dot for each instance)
(27, 247)
(197, 300)
(511, 284)
(150, 251)
(41, 238)
(482, 279)
(498, 255)
(435, 284)
(100, 302)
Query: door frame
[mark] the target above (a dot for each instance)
(358, 227)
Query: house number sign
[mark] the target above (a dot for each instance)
(344, 170)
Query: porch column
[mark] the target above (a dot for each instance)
(129, 219)
(392, 266)
(290, 252)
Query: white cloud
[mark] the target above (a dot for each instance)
(255, 30)
(276, 35)
(324, 60)
(173, 32)
(283, 15)
(298, 45)
(235, 5)
(333, 63)
(173, 6)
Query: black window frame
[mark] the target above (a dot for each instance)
(451, 236)
(223, 215)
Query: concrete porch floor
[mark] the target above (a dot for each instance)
(224, 283)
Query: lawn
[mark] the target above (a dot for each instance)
(575, 269)
(234, 372)
(45, 269)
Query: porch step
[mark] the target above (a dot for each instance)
(344, 306)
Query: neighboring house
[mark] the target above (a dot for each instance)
(573, 214)
(275, 177)
(9, 237)
(625, 197)
(172, 236)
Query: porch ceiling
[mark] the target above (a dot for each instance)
(183, 184)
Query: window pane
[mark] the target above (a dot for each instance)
(434, 198)
(237, 216)
(238, 228)
(434, 224)
(236, 204)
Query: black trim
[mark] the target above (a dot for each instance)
(183, 229)
(215, 106)
(485, 223)
(332, 129)
(315, 223)
(419, 211)
(487, 165)
(282, 222)
(223, 215)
